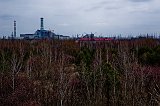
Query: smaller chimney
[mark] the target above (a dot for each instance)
(14, 28)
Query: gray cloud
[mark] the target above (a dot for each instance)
(140, 0)
(104, 5)
(70, 17)
(6, 17)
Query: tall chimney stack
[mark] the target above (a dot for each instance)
(42, 27)
(14, 28)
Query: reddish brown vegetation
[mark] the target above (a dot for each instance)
(48, 72)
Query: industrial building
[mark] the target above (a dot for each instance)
(43, 34)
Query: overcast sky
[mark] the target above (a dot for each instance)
(70, 17)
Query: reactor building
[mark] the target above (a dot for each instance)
(43, 34)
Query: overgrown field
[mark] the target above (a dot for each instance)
(69, 73)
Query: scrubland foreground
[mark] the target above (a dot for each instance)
(69, 73)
